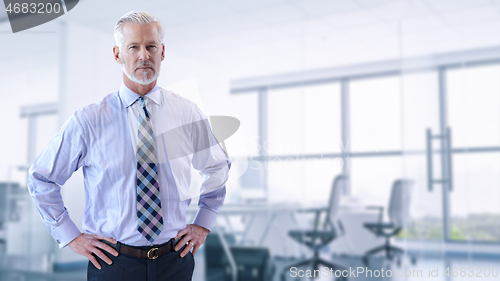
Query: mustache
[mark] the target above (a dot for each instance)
(145, 63)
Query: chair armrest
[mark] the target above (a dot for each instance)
(381, 212)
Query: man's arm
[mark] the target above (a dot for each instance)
(64, 155)
(213, 164)
(196, 233)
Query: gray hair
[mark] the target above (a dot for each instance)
(140, 18)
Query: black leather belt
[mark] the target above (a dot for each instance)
(151, 252)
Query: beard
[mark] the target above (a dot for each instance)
(143, 80)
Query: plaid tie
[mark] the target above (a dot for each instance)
(149, 219)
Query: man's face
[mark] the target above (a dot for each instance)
(141, 52)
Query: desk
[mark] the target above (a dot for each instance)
(357, 239)
(267, 225)
(259, 220)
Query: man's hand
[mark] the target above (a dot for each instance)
(87, 244)
(195, 235)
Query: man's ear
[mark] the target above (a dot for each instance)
(162, 51)
(116, 54)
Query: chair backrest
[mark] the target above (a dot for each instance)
(335, 195)
(399, 204)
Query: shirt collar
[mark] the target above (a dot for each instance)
(128, 96)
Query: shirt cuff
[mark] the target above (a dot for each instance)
(65, 233)
(205, 218)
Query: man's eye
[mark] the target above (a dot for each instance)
(132, 47)
(152, 46)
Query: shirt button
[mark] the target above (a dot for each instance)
(58, 242)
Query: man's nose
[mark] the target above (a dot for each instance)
(143, 55)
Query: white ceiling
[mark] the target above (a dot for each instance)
(314, 33)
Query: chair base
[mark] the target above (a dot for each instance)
(390, 252)
(314, 264)
(388, 249)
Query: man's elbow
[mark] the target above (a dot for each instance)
(35, 178)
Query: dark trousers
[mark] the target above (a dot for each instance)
(169, 266)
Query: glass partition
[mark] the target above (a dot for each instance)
(474, 118)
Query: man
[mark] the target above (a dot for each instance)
(135, 147)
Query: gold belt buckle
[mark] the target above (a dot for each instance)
(152, 251)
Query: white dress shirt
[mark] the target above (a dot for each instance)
(102, 139)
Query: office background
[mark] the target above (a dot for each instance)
(376, 90)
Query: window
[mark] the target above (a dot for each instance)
(475, 199)
(474, 117)
(372, 179)
(245, 108)
(306, 182)
(473, 105)
(420, 111)
(375, 114)
(388, 117)
(304, 120)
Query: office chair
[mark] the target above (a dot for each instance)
(399, 207)
(322, 233)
